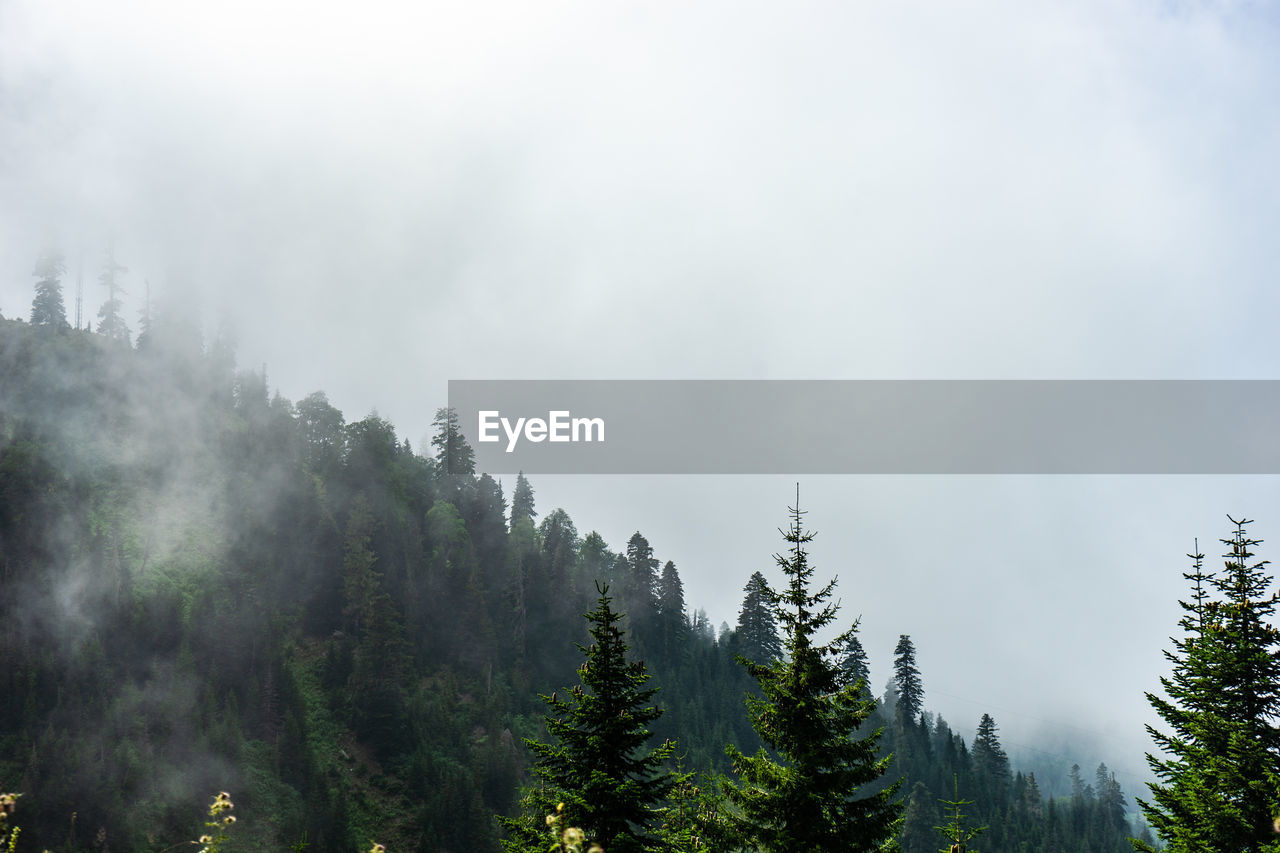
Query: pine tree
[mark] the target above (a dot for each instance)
(486, 518)
(1219, 780)
(549, 597)
(595, 560)
(145, 319)
(757, 627)
(321, 428)
(1077, 786)
(809, 716)
(47, 308)
(1110, 799)
(454, 455)
(957, 832)
(558, 537)
(857, 665)
(611, 782)
(702, 626)
(990, 764)
(522, 502)
(1031, 800)
(919, 820)
(641, 586)
(672, 625)
(907, 678)
(377, 628)
(110, 323)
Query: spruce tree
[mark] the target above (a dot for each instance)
(907, 678)
(380, 654)
(757, 627)
(454, 455)
(47, 308)
(857, 665)
(522, 502)
(1110, 800)
(919, 819)
(957, 833)
(110, 323)
(1220, 772)
(146, 319)
(807, 798)
(991, 764)
(612, 783)
(641, 586)
(673, 627)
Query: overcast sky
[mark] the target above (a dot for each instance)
(383, 197)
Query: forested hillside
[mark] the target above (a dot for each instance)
(205, 587)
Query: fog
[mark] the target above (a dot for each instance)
(379, 200)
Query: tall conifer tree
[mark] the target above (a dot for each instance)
(1220, 773)
(600, 766)
(809, 716)
(907, 678)
(857, 665)
(757, 627)
(641, 587)
(672, 624)
(110, 323)
(454, 455)
(990, 764)
(522, 502)
(47, 308)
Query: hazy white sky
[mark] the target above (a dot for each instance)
(384, 197)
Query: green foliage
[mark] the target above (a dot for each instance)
(810, 715)
(990, 763)
(1220, 770)
(906, 678)
(640, 581)
(47, 308)
(757, 627)
(686, 817)
(857, 666)
(957, 833)
(110, 324)
(454, 455)
(522, 511)
(610, 782)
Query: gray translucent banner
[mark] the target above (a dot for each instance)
(871, 426)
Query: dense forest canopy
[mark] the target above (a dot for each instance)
(209, 587)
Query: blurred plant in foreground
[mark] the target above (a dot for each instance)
(219, 811)
(8, 836)
(567, 840)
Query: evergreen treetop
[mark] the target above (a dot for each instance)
(47, 308)
(857, 665)
(110, 323)
(522, 502)
(453, 454)
(807, 798)
(641, 587)
(600, 766)
(757, 625)
(1220, 768)
(907, 678)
